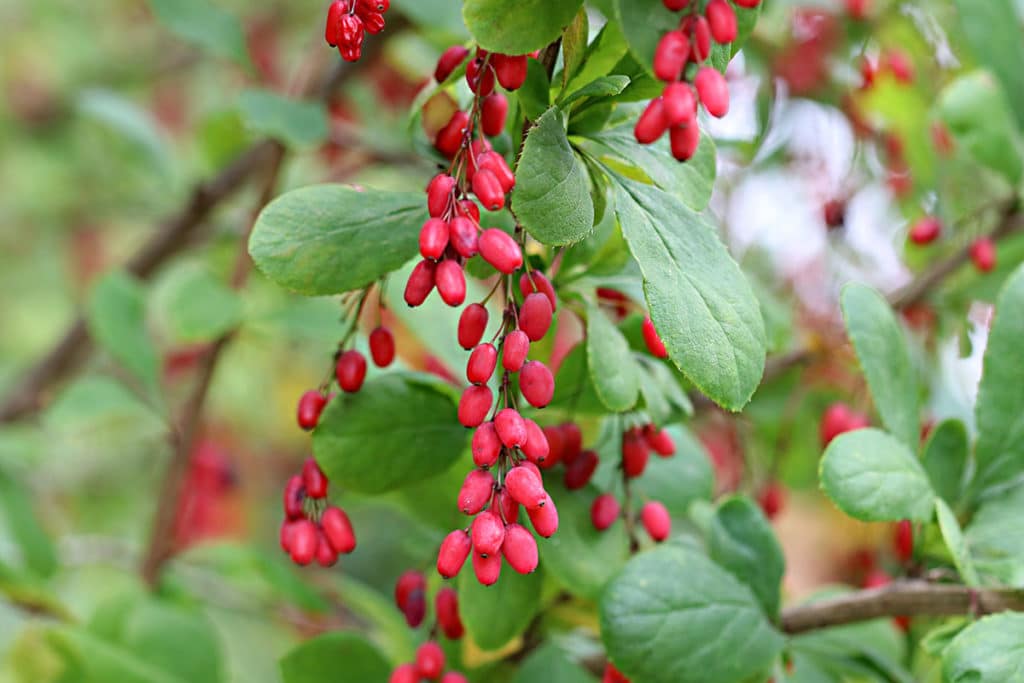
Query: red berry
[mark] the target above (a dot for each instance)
(903, 541)
(983, 253)
(520, 549)
(544, 518)
(350, 30)
(660, 441)
(537, 384)
(488, 533)
(676, 5)
(454, 550)
(684, 141)
(925, 231)
(580, 471)
(454, 677)
(535, 316)
(700, 38)
(572, 441)
(511, 70)
(611, 674)
(285, 537)
(406, 673)
(409, 583)
(311, 405)
(506, 505)
(463, 235)
(747, 4)
(429, 660)
(713, 91)
(525, 487)
(656, 520)
(446, 606)
(479, 77)
(900, 65)
(302, 542)
(450, 280)
(373, 22)
(382, 347)
(433, 238)
(500, 250)
(511, 427)
(771, 498)
(449, 139)
(536, 448)
(514, 350)
(481, 363)
(604, 511)
(651, 124)
(635, 454)
(670, 56)
(294, 494)
(679, 105)
(838, 419)
(326, 556)
(722, 21)
(835, 213)
(535, 281)
(476, 491)
(472, 324)
(493, 113)
(332, 33)
(338, 529)
(439, 193)
(474, 404)
(351, 371)
(486, 445)
(449, 61)
(379, 6)
(556, 446)
(496, 164)
(488, 189)
(469, 209)
(420, 283)
(487, 569)
(652, 340)
(313, 479)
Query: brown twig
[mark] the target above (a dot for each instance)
(902, 598)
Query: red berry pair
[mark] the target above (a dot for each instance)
(324, 536)
(428, 665)
(348, 21)
(653, 515)
(411, 599)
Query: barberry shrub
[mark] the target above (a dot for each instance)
(575, 439)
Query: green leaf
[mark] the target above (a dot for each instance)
(954, 538)
(516, 28)
(328, 239)
(989, 651)
(99, 404)
(610, 360)
(742, 541)
(298, 124)
(126, 118)
(643, 23)
(580, 557)
(574, 45)
(885, 358)
(993, 31)
(494, 615)
(938, 639)
(535, 95)
(603, 53)
(205, 24)
(193, 306)
(995, 538)
(691, 182)
(682, 479)
(336, 657)
(999, 411)
(574, 391)
(24, 528)
(552, 194)
(551, 665)
(393, 432)
(674, 616)
(605, 86)
(699, 299)
(116, 314)
(872, 476)
(945, 459)
(977, 114)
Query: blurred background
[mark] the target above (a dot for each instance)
(113, 114)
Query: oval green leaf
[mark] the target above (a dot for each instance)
(516, 28)
(336, 657)
(874, 477)
(116, 314)
(989, 651)
(954, 538)
(945, 459)
(328, 239)
(674, 616)
(742, 541)
(496, 614)
(612, 368)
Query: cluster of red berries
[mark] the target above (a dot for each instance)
(840, 418)
(312, 528)
(348, 22)
(411, 599)
(428, 666)
(675, 110)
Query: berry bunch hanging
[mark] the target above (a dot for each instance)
(348, 22)
(312, 527)
(681, 62)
